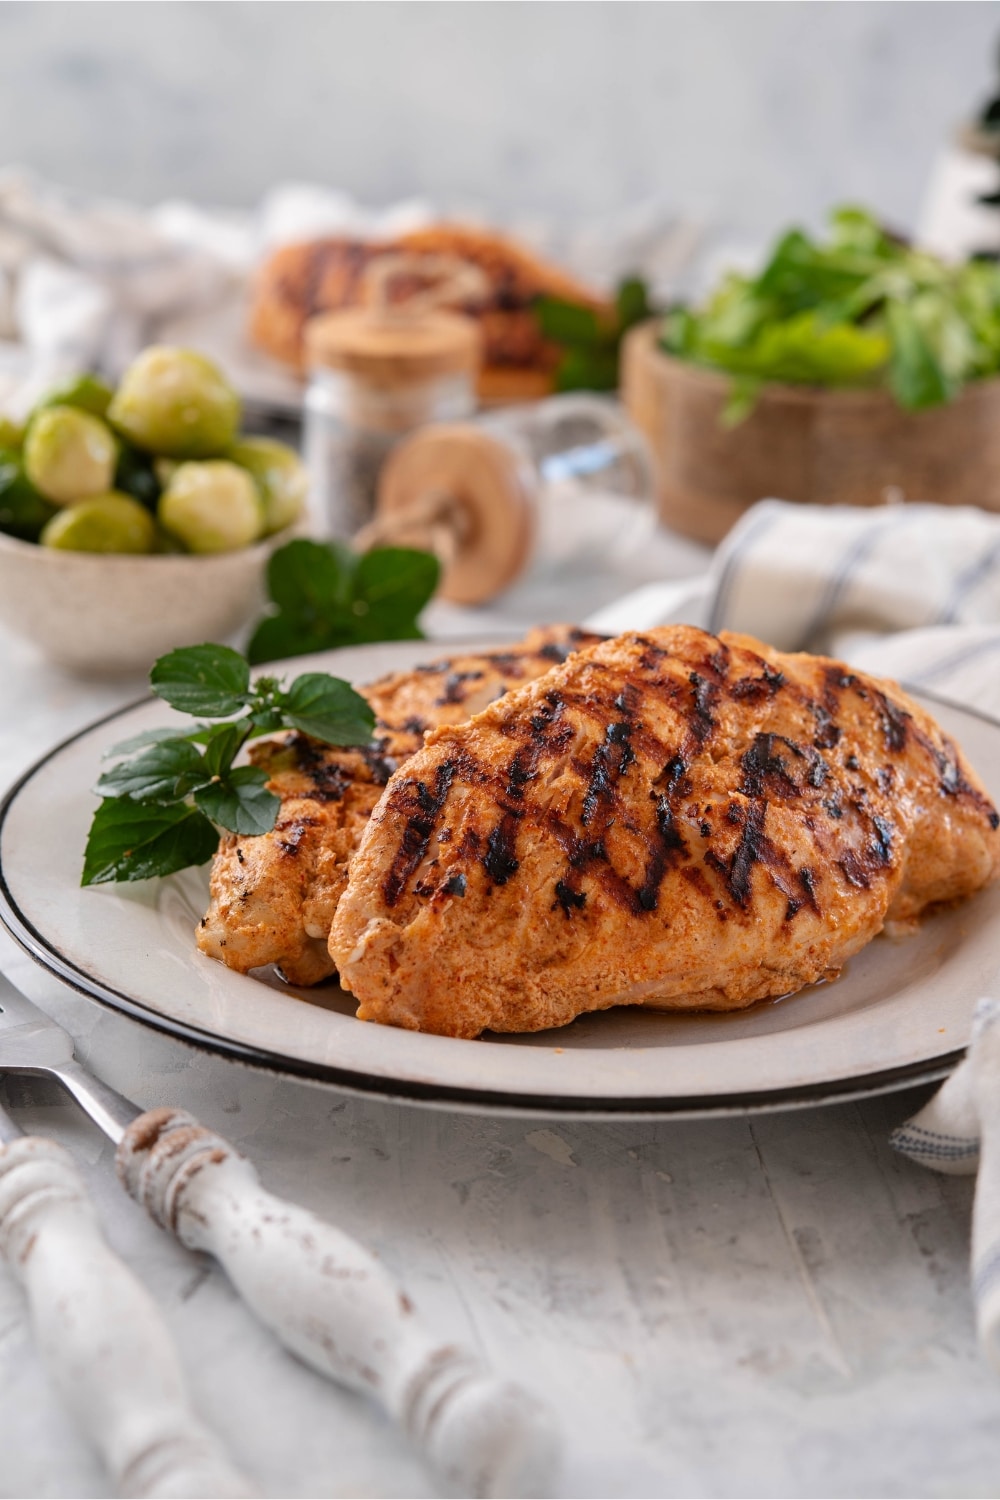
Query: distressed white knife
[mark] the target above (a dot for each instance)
(319, 1291)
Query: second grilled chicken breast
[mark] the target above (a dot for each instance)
(273, 896)
(668, 819)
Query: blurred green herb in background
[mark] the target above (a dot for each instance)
(862, 310)
(325, 595)
(590, 339)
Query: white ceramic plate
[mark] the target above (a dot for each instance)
(900, 1014)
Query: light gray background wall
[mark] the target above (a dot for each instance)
(750, 113)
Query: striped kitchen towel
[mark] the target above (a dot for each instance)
(905, 591)
(959, 1131)
(910, 592)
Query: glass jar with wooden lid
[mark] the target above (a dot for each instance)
(376, 373)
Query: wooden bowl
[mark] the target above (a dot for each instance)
(802, 443)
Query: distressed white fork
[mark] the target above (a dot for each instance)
(318, 1290)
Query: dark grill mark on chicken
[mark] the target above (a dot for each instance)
(569, 899)
(454, 687)
(758, 689)
(895, 723)
(499, 861)
(331, 777)
(425, 807)
(706, 696)
(290, 835)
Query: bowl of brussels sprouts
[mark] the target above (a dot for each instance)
(137, 519)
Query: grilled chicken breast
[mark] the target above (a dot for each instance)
(671, 819)
(273, 896)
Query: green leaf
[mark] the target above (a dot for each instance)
(305, 578)
(161, 773)
(632, 303)
(802, 275)
(240, 802)
(679, 332)
(148, 737)
(221, 748)
(735, 315)
(267, 721)
(915, 372)
(588, 370)
(568, 322)
(211, 680)
(804, 349)
(329, 710)
(856, 229)
(275, 637)
(391, 586)
(329, 598)
(138, 840)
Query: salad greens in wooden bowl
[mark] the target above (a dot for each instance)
(852, 370)
(862, 309)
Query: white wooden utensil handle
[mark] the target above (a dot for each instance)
(101, 1335)
(332, 1303)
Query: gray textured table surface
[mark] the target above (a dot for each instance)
(766, 1306)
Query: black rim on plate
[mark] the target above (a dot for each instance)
(49, 957)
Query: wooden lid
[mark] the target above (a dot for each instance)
(392, 349)
(486, 500)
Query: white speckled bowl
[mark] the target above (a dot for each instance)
(104, 615)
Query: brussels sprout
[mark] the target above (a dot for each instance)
(108, 523)
(212, 507)
(176, 402)
(85, 392)
(11, 434)
(69, 455)
(280, 476)
(135, 475)
(23, 512)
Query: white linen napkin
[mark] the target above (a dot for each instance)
(904, 591)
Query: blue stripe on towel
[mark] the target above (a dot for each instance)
(860, 548)
(717, 614)
(968, 580)
(956, 659)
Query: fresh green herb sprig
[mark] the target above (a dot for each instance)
(590, 339)
(326, 596)
(170, 792)
(863, 309)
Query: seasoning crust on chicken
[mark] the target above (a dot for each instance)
(273, 896)
(670, 819)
